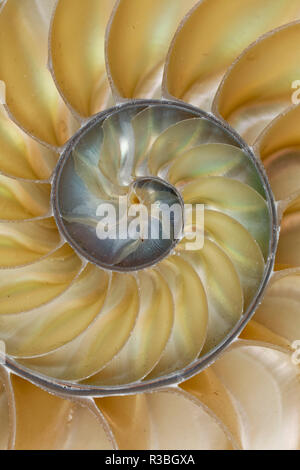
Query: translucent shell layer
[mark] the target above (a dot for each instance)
(249, 399)
(124, 324)
(111, 332)
(68, 319)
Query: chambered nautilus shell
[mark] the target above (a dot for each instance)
(188, 340)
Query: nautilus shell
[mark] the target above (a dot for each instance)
(160, 104)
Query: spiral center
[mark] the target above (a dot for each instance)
(107, 205)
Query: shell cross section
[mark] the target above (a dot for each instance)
(120, 190)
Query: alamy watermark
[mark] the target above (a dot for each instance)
(156, 221)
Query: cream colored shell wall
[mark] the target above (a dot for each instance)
(222, 58)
